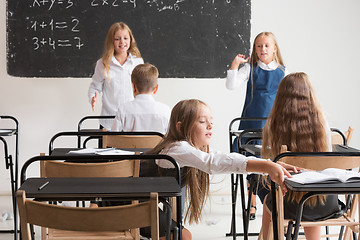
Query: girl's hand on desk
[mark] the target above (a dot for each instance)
(93, 101)
(238, 60)
(277, 173)
(290, 168)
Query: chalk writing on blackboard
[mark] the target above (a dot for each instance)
(183, 38)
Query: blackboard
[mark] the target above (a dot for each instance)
(183, 38)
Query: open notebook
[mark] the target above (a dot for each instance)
(102, 151)
(329, 175)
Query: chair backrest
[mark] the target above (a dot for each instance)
(131, 141)
(337, 137)
(320, 162)
(87, 219)
(348, 134)
(124, 168)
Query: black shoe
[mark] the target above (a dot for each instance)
(252, 215)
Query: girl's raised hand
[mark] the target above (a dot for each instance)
(93, 101)
(238, 60)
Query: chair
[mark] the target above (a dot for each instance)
(318, 161)
(348, 134)
(106, 220)
(235, 136)
(54, 169)
(81, 128)
(338, 137)
(132, 140)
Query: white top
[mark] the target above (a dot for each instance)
(116, 88)
(142, 114)
(213, 162)
(328, 136)
(235, 78)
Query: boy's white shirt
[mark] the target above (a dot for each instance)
(142, 114)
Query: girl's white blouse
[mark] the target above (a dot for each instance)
(116, 88)
(212, 162)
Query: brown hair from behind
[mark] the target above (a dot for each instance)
(296, 120)
(145, 77)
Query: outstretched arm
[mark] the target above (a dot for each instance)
(276, 172)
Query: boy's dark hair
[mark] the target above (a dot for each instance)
(145, 77)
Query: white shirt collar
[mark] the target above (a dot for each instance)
(271, 66)
(145, 97)
(128, 59)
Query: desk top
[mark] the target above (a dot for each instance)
(336, 187)
(254, 150)
(7, 132)
(253, 134)
(92, 188)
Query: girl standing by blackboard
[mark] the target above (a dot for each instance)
(263, 75)
(112, 75)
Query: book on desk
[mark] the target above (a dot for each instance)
(329, 175)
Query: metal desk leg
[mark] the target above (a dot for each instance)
(13, 182)
(167, 210)
(234, 184)
(179, 215)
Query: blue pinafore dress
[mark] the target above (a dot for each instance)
(261, 90)
(260, 95)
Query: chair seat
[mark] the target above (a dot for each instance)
(77, 235)
(342, 221)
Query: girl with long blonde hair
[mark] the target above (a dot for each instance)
(112, 75)
(296, 120)
(187, 141)
(263, 73)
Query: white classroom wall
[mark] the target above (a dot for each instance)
(318, 37)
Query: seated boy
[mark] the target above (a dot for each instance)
(143, 113)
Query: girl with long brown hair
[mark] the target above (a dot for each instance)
(187, 141)
(296, 120)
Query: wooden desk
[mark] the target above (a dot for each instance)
(317, 189)
(312, 189)
(71, 189)
(103, 188)
(256, 150)
(97, 134)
